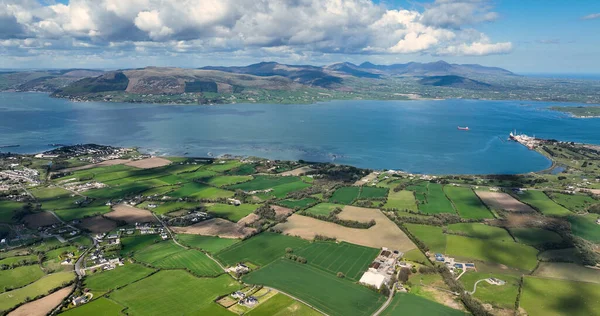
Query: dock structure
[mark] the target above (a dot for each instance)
(527, 141)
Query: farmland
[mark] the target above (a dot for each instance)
(18, 277)
(352, 260)
(209, 244)
(540, 201)
(282, 305)
(323, 209)
(97, 307)
(503, 296)
(410, 304)
(372, 193)
(482, 231)
(167, 290)
(431, 198)
(81, 212)
(261, 249)
(467, 203)
(221, 181)
(301, 204)
(7, 209)
(168, 255)
(108, 280)
(200, 191)
(278, 186)
(231, 212)
(401, 200)
(535, 236)
(39, 287)
(432, 236)
(542, 296)
(345, 195)
(567, 271)
(573, 202)
(585, 227)
(333, 296)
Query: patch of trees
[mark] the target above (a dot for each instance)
(403, 275)
(296, 258)
(265, 211)
(332, 217)
(324, 238)
(340, 173)
(340, 275)
(472, 304)
(27, 209)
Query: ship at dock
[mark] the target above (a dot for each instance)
(527, 141)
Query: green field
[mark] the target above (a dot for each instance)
(175, 292)
(7, 210)
(540, 201)
(231, 212)
(432, 236)
(573, 202)
(119, 277)
(200, 174)
(17, 259)
(345, 195)
(467, 203)
(260, 249)
(196, 190)
(401, 200)
(282, 305)
(535, 236)
(508, 253)
(415, 255)
(98, 307)
(567, 271)
(245, 169)
(323, 209)
(481, 231)
(133, 244)
(173, 206)
(557, 297)
(333, 295)
(372, 193)
(81, 212)
(561, 255)
(264, 183)
(168, 255)
(18, 277)
(431, 198)
(222, 167)
(585, 227)
(281, 191)
(350, 259)
(300, 204)
(221, 181)
(410, 304)
(42, 286)
(503, 296)
(209, 244)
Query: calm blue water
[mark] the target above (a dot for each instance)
(415, 136)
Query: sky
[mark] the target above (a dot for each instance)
(524, 36)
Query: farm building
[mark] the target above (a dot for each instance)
(373, 279)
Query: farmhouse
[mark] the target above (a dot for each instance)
(373, 279)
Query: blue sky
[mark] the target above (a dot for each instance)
(531, 36)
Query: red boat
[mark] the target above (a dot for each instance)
(466, 128)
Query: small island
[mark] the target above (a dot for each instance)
(579, 111)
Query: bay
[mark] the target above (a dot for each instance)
(414, 136)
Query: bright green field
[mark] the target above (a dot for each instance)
(410, 304)
(416, 255)
(200, 191)
(39, 287)
(209, 244)
(260, 249)
(432, 236)
(508, 253)
(402, 200)
(585, 227)
(17, 259)
(7, 209)
(133, 244)
(171, 256)
(20, 276)
(282, 305)
(301, 204)
(222, 167)
(503, 296)
(98, 307)
(574, 202)
(323, 208)
(264, 182)
(482, 231)
(372, 192)
(535, 236)
(74, 213)
(333, 295)
(281, 191)
(175, 292)
(221, 181)
(433, 201)
(119, 277)
(467, 203)
(232, 212)
(345, 195)
(557, 297)
(173, 206)
(540, 201)
(350, 259)
(200, 174)
(567, 271)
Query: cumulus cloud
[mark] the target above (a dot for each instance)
(292, 28)
(592, 16)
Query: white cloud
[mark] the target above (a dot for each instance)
(592, 16)
(297, 28)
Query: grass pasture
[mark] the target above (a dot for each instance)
(221, 181)
(345, 195)
(540, 201)
(333, 296)
(467, 203)
(567, 271)
(372, 193)
(260, 249)
(410, 304)
(432, 236)
(209, 244)
(42, 286)
(573, 202)
(502, 296)
(18, 259)
(231, 212)
(541, 296)
(282, 305)
(300, 204)
(200, 191)
(535, 236)
(169, 255)
(431, 198)
(264, 183)
(172, 206)
(98, 307)
(224, 165)
(81, 212)
(401, 200)
(482, 231)
(175, 292)
(119, 277)
(131, 245)
(350, 259)
(508, 253)
(18, 277)
(585, 227)
(323, 209)
(7, 209)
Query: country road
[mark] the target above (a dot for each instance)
(475, 286)
(387, 303)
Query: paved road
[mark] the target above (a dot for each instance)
(81, 272)
(387, 303)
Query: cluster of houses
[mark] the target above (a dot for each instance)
(22, 175)
(240, 268)
(244, 300)
(452, 264)
(380, 271)
(82, 187)
(59, 230)
(188, 219)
